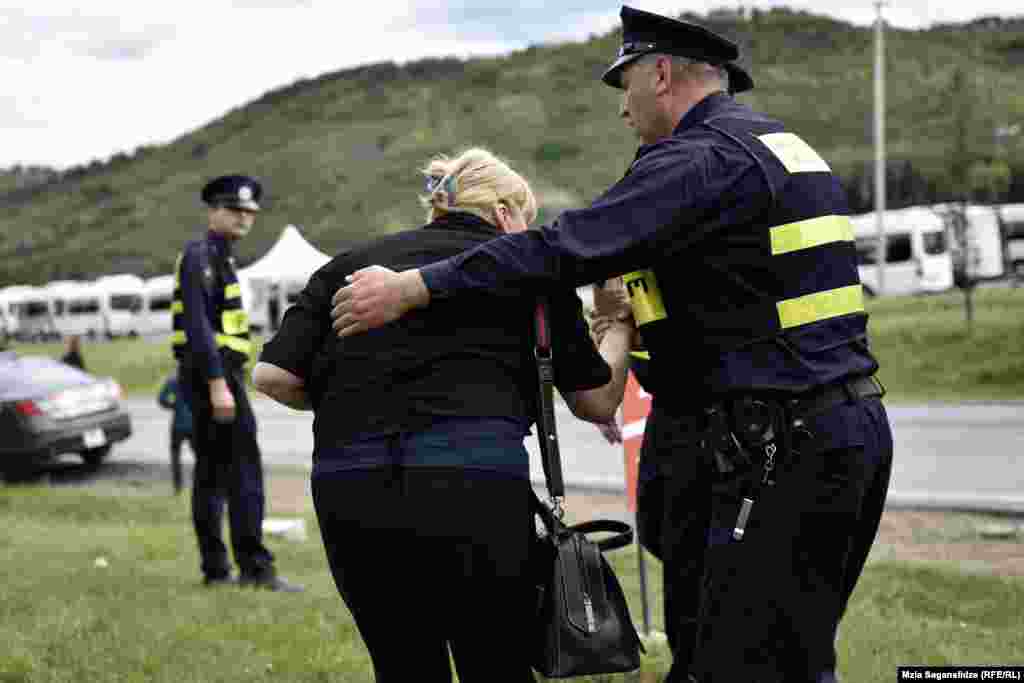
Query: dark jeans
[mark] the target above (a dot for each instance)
(772, 602)
(431, 559)
(228, 470)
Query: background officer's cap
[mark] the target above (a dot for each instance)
(233, 191)
(645, 32)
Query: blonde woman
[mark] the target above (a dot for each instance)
(420, 477)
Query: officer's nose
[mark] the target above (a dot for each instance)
(624, 108)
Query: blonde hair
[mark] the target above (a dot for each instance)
(474, 182)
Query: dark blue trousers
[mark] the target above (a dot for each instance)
(766, 608)
(228, 470)
(673, 507)
(772, 602)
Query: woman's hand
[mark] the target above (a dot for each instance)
(611, 300)
(600, 326)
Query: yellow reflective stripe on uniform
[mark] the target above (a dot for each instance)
(233, 291)
(177, 307)
(642, 355)
(234, 321)
(178, 338)
(234, 343)
(795, 154)
(810, 233)
(644, 296)
(177, 271)
(820, 306)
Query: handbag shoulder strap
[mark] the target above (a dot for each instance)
(547, 433)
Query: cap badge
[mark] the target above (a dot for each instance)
(245, 193)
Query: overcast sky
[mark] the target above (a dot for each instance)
(83, 84)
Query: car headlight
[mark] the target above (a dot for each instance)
(113, 388)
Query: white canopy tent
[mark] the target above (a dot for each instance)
(274, 279)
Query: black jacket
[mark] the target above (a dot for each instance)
(466, 358)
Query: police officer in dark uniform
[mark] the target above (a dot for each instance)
(211, 342)
(742, 271)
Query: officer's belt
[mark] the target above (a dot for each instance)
(821, 400)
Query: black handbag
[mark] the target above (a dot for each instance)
(583, 624)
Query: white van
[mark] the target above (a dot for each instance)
(11, 299)
(158, 293)
(983, 258)
(917, 252)
(83, 314)
(56, 293)
(1013, 225)
(35, 317)
(121, 301)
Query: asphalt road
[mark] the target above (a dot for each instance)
(947, 455)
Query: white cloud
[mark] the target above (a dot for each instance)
(85, 83)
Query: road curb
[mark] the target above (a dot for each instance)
(1006, 505)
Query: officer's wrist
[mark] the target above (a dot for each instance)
(414, 290)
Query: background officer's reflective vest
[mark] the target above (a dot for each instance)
(230, 325)
(784, 272)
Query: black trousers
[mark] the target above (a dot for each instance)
(228, 471)
(177, 439)
(772, 603)
(764, 609)
(441, 569)
(673, 513)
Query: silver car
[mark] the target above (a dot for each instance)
(49, 409)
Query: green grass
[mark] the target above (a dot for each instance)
(927, 353)
(922, 344)
(144, 618)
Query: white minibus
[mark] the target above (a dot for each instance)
(917, 254)
(121, 301)
(159, 291)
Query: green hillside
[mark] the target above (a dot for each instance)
(339, 154)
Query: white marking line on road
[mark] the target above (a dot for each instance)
(958, 498)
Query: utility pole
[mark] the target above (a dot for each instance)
(880, 142)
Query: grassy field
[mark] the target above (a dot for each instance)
(926, 352)
(922, 343)
(100, 584)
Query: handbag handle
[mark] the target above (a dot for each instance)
(623, 532)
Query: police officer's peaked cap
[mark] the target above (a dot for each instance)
(645, 32)
(233, 191)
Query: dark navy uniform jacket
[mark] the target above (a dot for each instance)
(745, 229)
(203, 301)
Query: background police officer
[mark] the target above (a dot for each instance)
(211, 342)
(739, 255)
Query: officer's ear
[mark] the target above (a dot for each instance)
(663, 73)
(502, 216)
